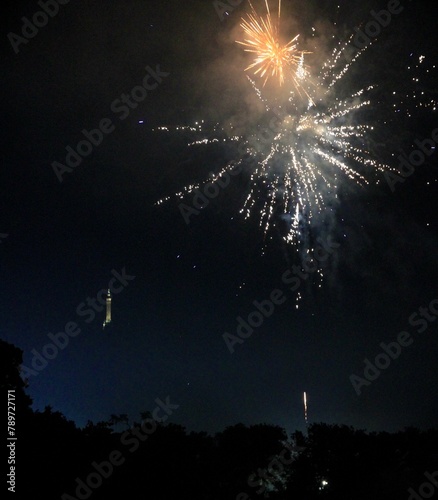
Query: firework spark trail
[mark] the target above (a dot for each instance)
(305, 408)
(192, 187)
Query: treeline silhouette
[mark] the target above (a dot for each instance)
(160, 461)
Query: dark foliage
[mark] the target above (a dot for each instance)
(156, 461)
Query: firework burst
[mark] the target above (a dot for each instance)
(273, 58)
(297, 159)
(303, 147)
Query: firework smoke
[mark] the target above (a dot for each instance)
(304, 146)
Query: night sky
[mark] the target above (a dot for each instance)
(61, 242)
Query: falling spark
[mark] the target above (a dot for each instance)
(305, 408)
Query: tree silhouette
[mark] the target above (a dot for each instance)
(331, 462)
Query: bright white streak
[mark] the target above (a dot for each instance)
(305, 407)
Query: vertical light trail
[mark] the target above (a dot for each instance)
(305, 408)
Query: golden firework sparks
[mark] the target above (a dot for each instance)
(263, 39)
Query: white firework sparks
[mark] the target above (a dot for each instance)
(311, 140)
(296, 162)
(300, 152)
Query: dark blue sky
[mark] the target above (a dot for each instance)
(193, 281)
